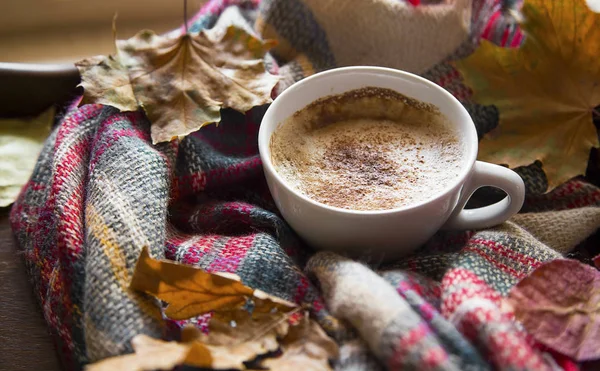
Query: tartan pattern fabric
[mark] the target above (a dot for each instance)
(100, 191)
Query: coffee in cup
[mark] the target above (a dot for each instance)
(368, 149)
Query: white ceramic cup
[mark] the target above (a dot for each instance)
(395, 232)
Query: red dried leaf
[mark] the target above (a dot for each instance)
(559, 304)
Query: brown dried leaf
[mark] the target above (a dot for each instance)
(559, 304)
(106, 81)
(306, 347)
(153, 354)
(183, 82)
(191, 291)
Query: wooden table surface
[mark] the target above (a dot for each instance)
(24, 340)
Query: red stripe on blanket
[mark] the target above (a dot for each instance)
(508, 253)
(232, 254)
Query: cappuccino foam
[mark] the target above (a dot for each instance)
(368, 149)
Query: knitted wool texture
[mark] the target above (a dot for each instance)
(101, 191)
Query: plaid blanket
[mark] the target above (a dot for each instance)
(101, 191)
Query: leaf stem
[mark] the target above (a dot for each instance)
(185, 20)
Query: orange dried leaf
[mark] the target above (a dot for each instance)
(546, 91)
(191, 291)
(559, 304)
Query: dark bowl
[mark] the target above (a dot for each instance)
(28, 89)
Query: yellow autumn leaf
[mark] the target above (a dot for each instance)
(546, 91)
(20, 144)
(191, 291)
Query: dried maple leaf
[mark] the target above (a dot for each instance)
(153, 354)
(306, 347)
(559, 304)
(106, 81)
(183, 82)
(191, 291)
(546, 91)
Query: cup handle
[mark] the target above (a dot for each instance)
(486, 174)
